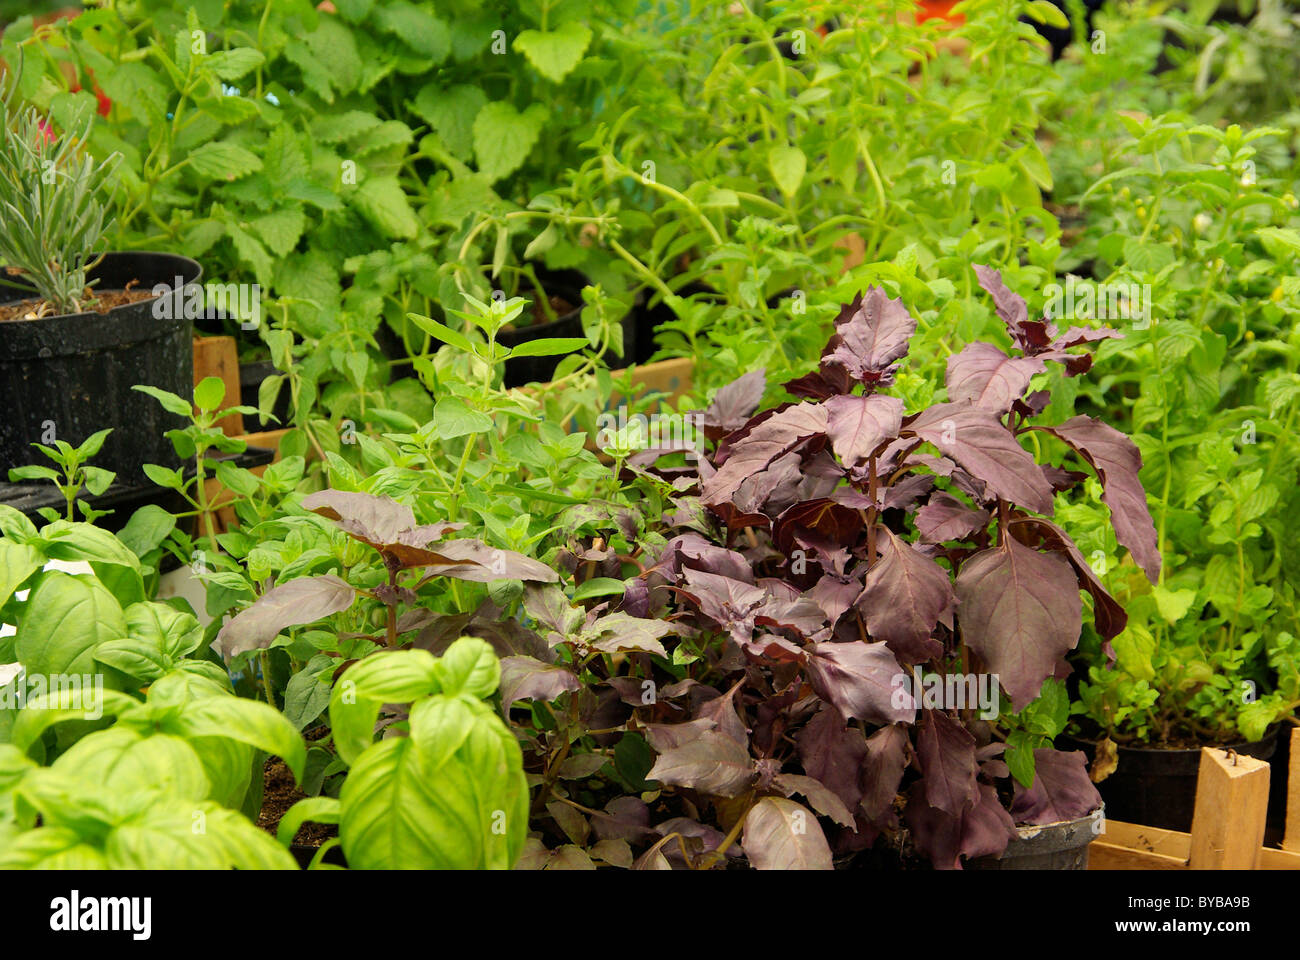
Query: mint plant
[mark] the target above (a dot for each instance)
(1204, 219)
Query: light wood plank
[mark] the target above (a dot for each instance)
(1231, 805)
(1291, 839)
(219, 357)
(1113, 856)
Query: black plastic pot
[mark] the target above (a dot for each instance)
(75, 372)
(1054, 846)
(567, 284)
(1155, 787)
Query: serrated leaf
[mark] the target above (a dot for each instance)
(503, 137)
(223, 161)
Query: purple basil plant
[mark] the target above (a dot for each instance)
(830, 550)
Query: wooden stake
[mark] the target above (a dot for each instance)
(1231, 805)
(1291, 839)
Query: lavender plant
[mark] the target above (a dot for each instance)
(50, 201)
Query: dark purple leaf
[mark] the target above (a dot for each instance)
(692, 550)
(801, 615)
(773, 438)
(976, 440)
(835, 595)
(833, 752)
(982, 829)
(624, 818)
(1030, 336)
(833, 522)
(1117, 462)
(904, 597)
(475, 560)
(946, 751)
(987, 377)
(779, 482)
(663, 737)
(780, 834)
(711, 763)
(935, 833)
(986, 828)
(773, 647)
(870, 334)
(291, 604)
(1009, 304)
(729, 603)
(1061, 479)
(524, 678)
(1061, 790)
(1021, 612)
(1076, 364)
(733, 404)
(902, 494)
(828, 381)
(376, 520)
(722, 712)
(1108, 614)
(882, 772)
(821, 799)
(618, 631)
(861, 680)
(947, 518)
(858, 425)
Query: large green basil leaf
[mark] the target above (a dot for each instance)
(229, 767)
(188, 836)
(67, 704)
(14, 525)
(120, 761)
(246, 721)
(469, 666)
(66, 618)
(114, 564)
(176, 633)
(397, 676)
(450, 796)
(159, 636)
(18, 561)
(50, 848)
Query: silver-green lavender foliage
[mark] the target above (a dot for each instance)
(51, 214)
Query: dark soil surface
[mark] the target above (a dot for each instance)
(279, 794)
(558, 304)
(99, 302)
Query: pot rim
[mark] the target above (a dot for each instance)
(1269, 734)
(180, 258)
(1028, 831)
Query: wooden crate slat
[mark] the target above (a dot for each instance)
(1291, 839)
(1231, 807)
(1112, 856)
